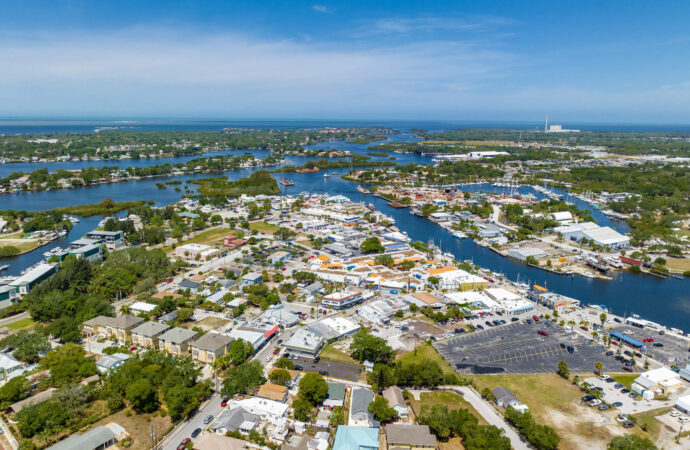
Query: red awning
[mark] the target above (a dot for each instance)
(271, 332)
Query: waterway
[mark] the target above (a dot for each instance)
(664, 301)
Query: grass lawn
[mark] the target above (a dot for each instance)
(678, 264)
(211, 237)
(24, 324)
(626, 380)
(334, 354)
(426, 351)
(449, 399)
(209, 323)
(139, 427)
(647, 420)
(263, 227)
(24, 245)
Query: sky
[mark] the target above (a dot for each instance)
(583, 61)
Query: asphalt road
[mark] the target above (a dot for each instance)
(335, 369)
(212, 406)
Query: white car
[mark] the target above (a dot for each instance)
(594, 402)
(627, 332)
(621, 419)
(674, 413)
(684, 419)
(268, 358)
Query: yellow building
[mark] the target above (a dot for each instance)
(176, 341)
(147, 334)
(409, 437)
(209, 347)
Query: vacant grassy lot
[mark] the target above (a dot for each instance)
(139, 427)
(626, 380)
(448, 399)
(331, 353)
(426, 352)
(263, 227)
(209, 323)
(211, 237)
(678, 264)
(24, 324)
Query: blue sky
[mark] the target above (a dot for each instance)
(594, 61)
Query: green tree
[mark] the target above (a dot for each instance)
(142, 396)
(631, 442)
(68, 363)
(381, 377)
(284, 363)
(15, 389)
(372, 245)
(280, 376)
(27, 345)
(181, 401)
(367, 347)
(302, 409)
(602, 318)
(384, 260)
(243, 378)
(313, 388)
(381, 411)
(598, 366)
(563, 369)
(240, 351)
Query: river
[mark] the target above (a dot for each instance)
(663, 301)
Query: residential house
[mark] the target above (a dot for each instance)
(409, 437)
(505, 398)
(396, 401)
(9, 367)
(359, 404)
(335, 396)
(176, 341)
(118, 328)
(210, 347)
(147, 334)
(101, 437)
(235, 419)
(107, 363)
(273, 392)
(356, 438)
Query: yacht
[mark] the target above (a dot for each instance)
(460, 235)
(4, 267)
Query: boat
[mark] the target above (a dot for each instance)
(327, 175)
(370, 207)
(460, 235)
(588, 274)
(416, 212)
(286, 182)
(62, 233)
(594, 263)
(4, 267)
(73, 219)
(313, 169)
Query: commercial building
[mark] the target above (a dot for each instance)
(266, 409)
(334, 328)
(381, 311)
(194, 252)
(342, 299)
(304, 342)
(8, 295)
(90, 252)
(424, 299)
(278, 257)
(33, 277)
(176, 341)
(250, 279)
(210, 347)
(521, 254)
(658, 381)
(454, 278)
(603, 236)
(683, 404)
(147, 334)
(111, 239)
(409, 437)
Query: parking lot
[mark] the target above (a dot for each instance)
(674, 350)
(630, 405)
(335, 369)
(516, 348)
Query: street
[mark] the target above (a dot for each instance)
(184, 430)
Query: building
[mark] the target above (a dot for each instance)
(90, 252)
(683, 404)
(396, 401)
(250, 279)
(505, 398)
(33, 277)
(213, 441)
(210, 347)
(256, 338)
(9, 367)
(356, 438)
(607, 237)
(147, 334)
(269, 410)
(522, 254)
(334, 328)
(453, 278)
(563, 217)
(235, 419)
(274, 392)
(196, 252)
(278, 257)
(381, 311)
(280, 315)
(335, 396)
(176, 341)
(192, 286)
(99, 438)
(107, 363)
(111, 239)
(311, 290)
(141, 307)
(424, 299)
(359, 408)
(118, 328)
(304, 342)
(409, 437)
(8, 296)
(342, 299)
(233, 242)
(657, 382)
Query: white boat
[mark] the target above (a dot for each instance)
(588, 274)
(62, 233)
(73, 219)
(327, 175)
(460, 235)
(4, 267)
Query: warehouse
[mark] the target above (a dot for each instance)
(334, 328)
(521, 254)
(607, 237)
(34, 276)
(304, 342)
(454, 278)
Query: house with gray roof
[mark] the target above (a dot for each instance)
(403, 437)
(118, 328)
(210, 346)
(395, 400)
(235, 419)
(147, 334)
(193, 286)
(110, 362)
(176, 341)
(359, 412)
(99, 438)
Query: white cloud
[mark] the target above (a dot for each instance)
(321, 9)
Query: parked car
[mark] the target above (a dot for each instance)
(627, 368)
(542, 332)
(617, 404)
(609, 353)
(625, 390)
(208, 419)
(562, 345)
(587, 398)
(595, 402)
(480, 327)
(603, 407)
(571, 349)
(658, 344)
(609, 380)
(616, 319)
(621, 418)
(617, 386)
(584, 328)
(323, 372)
(514, 319)
(674, 413)
(183, 444)
(317, 359)
(536, 318)
(529, 321)
(684, 419)
(648, 339)
(224, 402)
(298, 367)
(196, 433)
(628, 424)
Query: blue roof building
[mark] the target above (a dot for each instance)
(356, 438)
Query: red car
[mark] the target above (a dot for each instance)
(614, 342)
(183, 444)
(649, 339)
(535, 318)
(627, 369)
(584, 328)
(132, 348)
(542, 332)
(224, 402)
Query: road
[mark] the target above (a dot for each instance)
(488, 413)
(184, 430)
(13, 319)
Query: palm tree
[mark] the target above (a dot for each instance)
(598, 366)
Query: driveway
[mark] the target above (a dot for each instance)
(185, 428)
